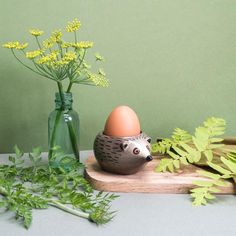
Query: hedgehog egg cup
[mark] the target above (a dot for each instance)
(122, 148)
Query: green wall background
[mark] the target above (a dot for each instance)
(172, 61)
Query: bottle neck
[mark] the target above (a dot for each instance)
(63, 101)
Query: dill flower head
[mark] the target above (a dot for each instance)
(73, 26)
(66, 44)
(11, 45)
(98, 80)
(21, 46)
(48, 59)
(48, 43)
(69, 56)
(36, 32)
(83, 44)
(33, 54)
(56, 36)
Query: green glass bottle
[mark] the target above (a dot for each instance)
(63, 133)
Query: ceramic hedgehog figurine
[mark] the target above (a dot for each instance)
(125, 155)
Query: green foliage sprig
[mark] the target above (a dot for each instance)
(24, 187)
(203, 147)
(185, 149)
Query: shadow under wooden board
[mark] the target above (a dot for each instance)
(147, 180)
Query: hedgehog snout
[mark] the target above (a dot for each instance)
(149, 158)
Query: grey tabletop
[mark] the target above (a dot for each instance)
(137, 215)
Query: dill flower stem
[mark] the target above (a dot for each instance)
(38, 43)
(25, 64)
(69, 87)
(63, 207)
(75, 36)
(74, 71)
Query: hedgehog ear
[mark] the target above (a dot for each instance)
(124, 145)
(149, 139)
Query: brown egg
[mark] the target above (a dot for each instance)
(122, 122)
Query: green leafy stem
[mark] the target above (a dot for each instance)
(204, 148)
(26, 187)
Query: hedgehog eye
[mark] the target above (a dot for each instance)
(136, 151)
(149, 140)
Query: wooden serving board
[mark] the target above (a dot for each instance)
(146, 180)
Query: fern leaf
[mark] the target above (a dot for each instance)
(209, 174)
(209, 196)
(183, 160)
(173, 155)
(163, 165)
(170, 166)
(220, 183)
(179, 151)
(230, 164)
(176, 164)
(208, 154)
(202, 183)
(218, 168)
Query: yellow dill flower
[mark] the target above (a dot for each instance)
(36, 32)
(33, 54)
(98, 57)
(56, 36)
(73, 26)
(49, 58)
(21, 46)
(11, 45)
(61, 63)
(83, 44)
(69, 56)
(98, 80)
(48, 43)
(66, 45)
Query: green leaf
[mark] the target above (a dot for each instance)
(208, 174)
(173, 155)
(176, 164)
(202, 183)
(209, 196)
(218, 168)
(230, 164)
(198, 190)
(190, 158)
(163, 165)
(216, 140)
(214, 190)
(214, 146)
(37, 151)
(27, 218)
(220, 183)
(18, 152)
(171, 167)
(180, 152)
(200, 144)
(12, 159)
(183, 161)
(187, 147)
(208, 154)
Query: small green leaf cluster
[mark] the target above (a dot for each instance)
(24, 187)
(205, 189)
(164, 145)
(184, 149)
